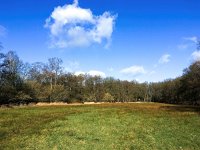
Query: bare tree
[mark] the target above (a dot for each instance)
(54, 68)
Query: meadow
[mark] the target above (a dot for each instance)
(121, 126)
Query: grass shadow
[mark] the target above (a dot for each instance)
(182, 108)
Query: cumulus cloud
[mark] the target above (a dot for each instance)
(2, 31)
(196, 55)
(96, 73)
(164, 59)
(72, 26)
(133, 70)
(91, 73)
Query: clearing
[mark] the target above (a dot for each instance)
(106, 126)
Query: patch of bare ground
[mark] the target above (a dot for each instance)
(66, 104)
(70, 104)
(56, 104)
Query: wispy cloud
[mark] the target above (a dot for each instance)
(91, 73)
(152, 72)
(2, 31)
(183, 46)
(187, 42)
(193, 39)
(196, 55)
(164, 59)
(73, 26)
(133, 70)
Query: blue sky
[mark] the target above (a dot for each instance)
(131, 40)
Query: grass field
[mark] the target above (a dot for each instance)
(140, 126)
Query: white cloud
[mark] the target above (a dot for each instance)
(72, 26)
(133, 70)
(196, 55)
(96, 73)
(91, 73)
(79, 73)
(164, 59)
(192, 39)
(2, 31)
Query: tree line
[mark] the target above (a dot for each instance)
(23, 83)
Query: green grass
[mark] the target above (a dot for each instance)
(101, 127)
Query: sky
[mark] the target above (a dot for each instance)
(128, 40)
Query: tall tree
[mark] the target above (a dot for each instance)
(11, 82)
(190, 83)
(54, 68)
